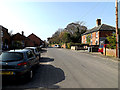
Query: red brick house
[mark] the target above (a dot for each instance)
(5, 38)
(98, 34)
(35, 39)
(26, 42)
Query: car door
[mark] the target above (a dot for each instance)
(31, 58)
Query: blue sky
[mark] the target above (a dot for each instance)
(44, 18)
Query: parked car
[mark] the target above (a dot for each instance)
(36, 51)
(41, 46)
(18, 63)
(101, 48)
(57, 46)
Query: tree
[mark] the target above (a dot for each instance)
(10, 33)
(112, 41)
(74, 27)
(72, 33)
(55, 37)
(66, 37)
(17, 45)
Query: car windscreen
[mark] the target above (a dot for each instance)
(30, 49)
(11, 56)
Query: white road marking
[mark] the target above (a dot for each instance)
(46, 63)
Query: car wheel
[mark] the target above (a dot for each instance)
(101, 52)
(29, 75)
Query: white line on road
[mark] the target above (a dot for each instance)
(46, 63)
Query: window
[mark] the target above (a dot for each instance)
(96, 34)
(96, 42)
(30, 54)
(91, 35)
(1, 33)
(11, 56)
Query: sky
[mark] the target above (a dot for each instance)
(44, 18)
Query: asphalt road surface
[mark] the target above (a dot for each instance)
(62, 68)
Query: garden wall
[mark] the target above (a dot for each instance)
(110, 52)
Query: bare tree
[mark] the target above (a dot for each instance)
(11, 32)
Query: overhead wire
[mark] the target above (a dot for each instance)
(90, 10)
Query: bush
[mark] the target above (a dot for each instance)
(68, 45)
(112, 41)
(72, 44)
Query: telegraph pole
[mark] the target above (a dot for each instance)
(117, 32)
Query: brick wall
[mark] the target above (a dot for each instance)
(35, 39)
(26, 41)
(105, 33)
(110, 52)
(101, 34)
(83, 39)
(29, 43)
(63, 46)
(94, 38)
(6, 39)
(53, 45)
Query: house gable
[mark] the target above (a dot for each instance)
(35, 39)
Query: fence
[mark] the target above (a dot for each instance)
(78, 48)
(109, 52)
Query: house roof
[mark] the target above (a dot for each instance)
(3, 28)
(34, 36)
(18, 34)
(102, 27)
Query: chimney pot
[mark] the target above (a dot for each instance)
(22, 32)
(98, 22)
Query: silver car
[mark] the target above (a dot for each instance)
(35, 51)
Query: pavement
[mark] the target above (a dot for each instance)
(100, 55)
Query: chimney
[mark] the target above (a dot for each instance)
(23, 33)
(98, 22)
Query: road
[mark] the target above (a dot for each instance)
(63, 68)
